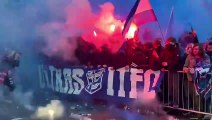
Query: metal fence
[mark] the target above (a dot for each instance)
(178, 92)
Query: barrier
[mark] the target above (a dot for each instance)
(184, 95)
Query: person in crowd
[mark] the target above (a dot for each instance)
(119, 59)
(135, 59)
(85, 53)
(171, 55)
(147, 52)
(104, 57)
(130, 52)
(8, 63)
(208, 90)
(81, 51)
(187, 38)
(155, 57)
(170, 60)
(155, 64)
(198, 61)
(209, 50)
(188, 51)
(139, 55)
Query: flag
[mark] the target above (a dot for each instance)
(169, 30)
(141, 13)
(194, 34)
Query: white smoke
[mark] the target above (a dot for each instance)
(149, 105)
(51, 111)
(24, 99)
(17, 97)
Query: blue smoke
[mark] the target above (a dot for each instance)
(187, 13)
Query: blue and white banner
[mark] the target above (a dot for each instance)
(100, 82)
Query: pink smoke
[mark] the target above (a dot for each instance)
(107, 29)
(100, 29)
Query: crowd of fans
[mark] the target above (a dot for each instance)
(186, 55)
(133, 53)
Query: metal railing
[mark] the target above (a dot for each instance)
(180, 93)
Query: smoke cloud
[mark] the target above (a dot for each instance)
(53, 110)
(58, 24)
(61, 36)
(24, 99)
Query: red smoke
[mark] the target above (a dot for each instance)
(97, 28)
(109, 29)
(106, 29)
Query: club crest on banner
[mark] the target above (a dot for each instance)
(94, 78)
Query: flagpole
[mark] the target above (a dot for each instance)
(163, 39)
(169, 21)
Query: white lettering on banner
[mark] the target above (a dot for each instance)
(52, 69)
(79, 85)
(121, 92)
(41, 79)
(156, 78)
(59, 82)
(49, 83)
(110, 90)
(147, 77)
(134, 77)
(44, 78)
(70, 80)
